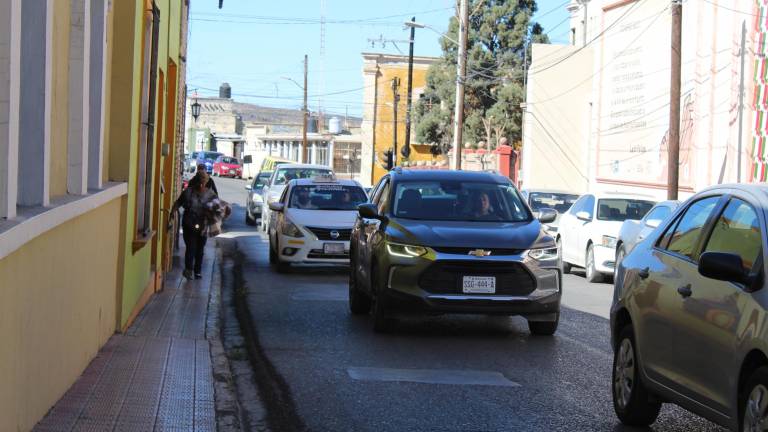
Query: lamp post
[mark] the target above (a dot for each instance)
(407, 147)
(305, 115)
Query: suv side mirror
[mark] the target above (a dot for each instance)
(276, 206)
(547, 215)
(369, 211)
(582, 215)
(723, 266)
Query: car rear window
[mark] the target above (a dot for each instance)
(284, 175)
(620, 209)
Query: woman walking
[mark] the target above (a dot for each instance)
(194, 199)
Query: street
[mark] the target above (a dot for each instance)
(462, 373)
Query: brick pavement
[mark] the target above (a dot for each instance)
(155, 377)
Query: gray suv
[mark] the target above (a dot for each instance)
(688, 320)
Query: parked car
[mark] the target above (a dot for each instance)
(280, 177)
(688, 315)
(453, 242)
(560, 201)
(208, 158)
(254, 203)
(633, 231)
(588, 231)
(313, 221)
(226, 166)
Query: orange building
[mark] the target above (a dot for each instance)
(378, 127)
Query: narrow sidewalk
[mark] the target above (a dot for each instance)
(158, 376)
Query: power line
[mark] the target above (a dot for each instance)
(539, 17)
(732, 9)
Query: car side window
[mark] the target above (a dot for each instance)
(659, 213)
(737, 231)
(589, 206)
(376, 194)
(383, 201)
(578, 205)
(285, 194)
(683, 236)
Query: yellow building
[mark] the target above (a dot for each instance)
(379, 121)
(91, 93)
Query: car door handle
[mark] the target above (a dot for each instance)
(685, 291)
(644, 273)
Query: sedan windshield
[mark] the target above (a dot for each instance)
(617, 209)
(284, 175)
(327, 197)
(459, 201)
(229, 160)
(558, 201)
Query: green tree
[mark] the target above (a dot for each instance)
(498, 33)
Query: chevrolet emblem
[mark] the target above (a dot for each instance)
(480, 253)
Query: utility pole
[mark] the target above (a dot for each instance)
(673, 157)
(741, 100)
(395, 103)
(461, 71)
(306, 117)
(407, 147)
(586, 17)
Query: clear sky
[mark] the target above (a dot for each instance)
(253, 44)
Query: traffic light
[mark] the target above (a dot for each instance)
(387, 160)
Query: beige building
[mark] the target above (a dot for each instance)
(602, 106)
(379, 122)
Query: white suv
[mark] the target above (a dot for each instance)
(588, 231)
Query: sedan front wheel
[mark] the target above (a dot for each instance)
(631, 400)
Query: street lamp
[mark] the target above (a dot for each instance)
(414, 24)
(195, 110)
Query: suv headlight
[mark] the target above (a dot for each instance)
(609, 242)
(291, 230)
(405, 251)
(543, 254)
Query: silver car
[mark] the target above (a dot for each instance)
(688, 320)
(560, 201)
(633, 231)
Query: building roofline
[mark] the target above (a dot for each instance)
(393, 58)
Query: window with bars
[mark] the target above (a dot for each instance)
(147, 127)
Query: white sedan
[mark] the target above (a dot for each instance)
(588, 231)
(313, 221)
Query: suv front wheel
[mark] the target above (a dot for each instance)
(631, 400)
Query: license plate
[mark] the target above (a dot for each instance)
(333, 248)
(231, 171)
(479, 285)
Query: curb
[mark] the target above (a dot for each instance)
(228, 410)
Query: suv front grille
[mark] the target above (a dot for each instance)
(325, 233)
(467, 250)
(446, 277)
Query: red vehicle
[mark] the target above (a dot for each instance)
(226, 166)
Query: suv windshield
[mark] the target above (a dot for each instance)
(327, 197)
(558, 201)
(284, 175)
(459, 201)
(617, 209)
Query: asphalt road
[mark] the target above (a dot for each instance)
(446, 373)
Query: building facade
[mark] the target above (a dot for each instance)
(604, 103)
(91, 93)
(379, 121)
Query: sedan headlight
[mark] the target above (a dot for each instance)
(543, 254)
(609, 242)
(257, 198)
(405, 251)
(291, 230)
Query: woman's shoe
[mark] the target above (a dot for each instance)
(188, 274)
(198, 276)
